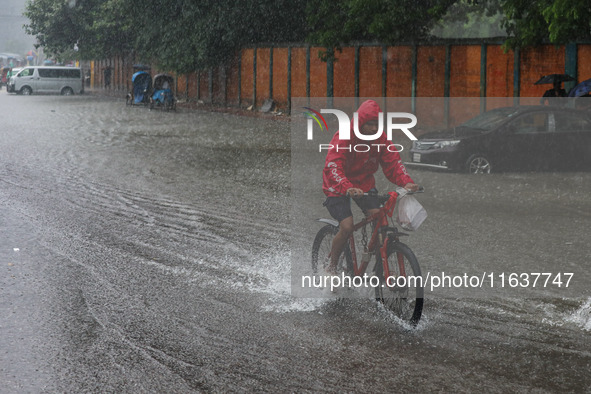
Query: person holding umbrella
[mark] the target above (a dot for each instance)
(550, 95)
(556, 91)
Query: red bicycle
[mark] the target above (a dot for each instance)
(396, 274)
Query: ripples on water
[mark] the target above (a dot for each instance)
(203, 199)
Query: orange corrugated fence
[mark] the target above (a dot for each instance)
(454, 69)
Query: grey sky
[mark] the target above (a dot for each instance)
(13, 38)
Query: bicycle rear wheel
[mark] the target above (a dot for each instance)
(403, 292)
(321, 252)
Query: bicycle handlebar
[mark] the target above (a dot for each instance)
(375, 194)
(385, 197)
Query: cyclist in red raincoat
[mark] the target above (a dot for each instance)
(348, 173)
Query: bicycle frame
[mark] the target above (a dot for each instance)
(377, 238)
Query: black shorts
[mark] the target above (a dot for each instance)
(340, 207)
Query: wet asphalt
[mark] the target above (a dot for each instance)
(145, 251)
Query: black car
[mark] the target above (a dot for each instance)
(510, 138)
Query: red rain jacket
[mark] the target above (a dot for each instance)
(344, 170)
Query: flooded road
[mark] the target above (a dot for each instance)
(144, 251)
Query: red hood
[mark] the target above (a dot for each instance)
(346, 168)
(368, 110)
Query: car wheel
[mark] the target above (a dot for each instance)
(478, 164)
(27, 91)
(67, 92)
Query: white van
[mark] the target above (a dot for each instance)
(62, 80)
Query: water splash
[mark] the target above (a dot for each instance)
(582, 316)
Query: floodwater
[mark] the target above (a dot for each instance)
(143, 251)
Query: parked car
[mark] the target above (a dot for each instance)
(510, 138)
(37, 79)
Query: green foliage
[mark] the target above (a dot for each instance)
(334, 24)
(568, 20)
(471, 19)
(556, 21)
(52, 24)
(189, 35)
(96, 26)
(178, 35)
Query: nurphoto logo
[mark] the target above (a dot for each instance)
(345, 130)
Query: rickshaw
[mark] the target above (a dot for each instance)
(4, 76)
(141, 89)
(162, 95)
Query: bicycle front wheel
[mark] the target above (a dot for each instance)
(321, 249)
(403, 292)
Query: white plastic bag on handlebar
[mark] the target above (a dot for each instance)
(411, 213)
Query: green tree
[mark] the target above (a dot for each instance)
(525, 22)
(97, 27)
(556, 21)
(334, 24)
(471, 19)
(178, 35)
(187, 35)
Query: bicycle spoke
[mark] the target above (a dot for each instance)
(399, 293)
(321, 253)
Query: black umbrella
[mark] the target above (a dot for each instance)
(551, 78)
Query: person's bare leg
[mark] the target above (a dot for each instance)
(370, 212)
(339, 241)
